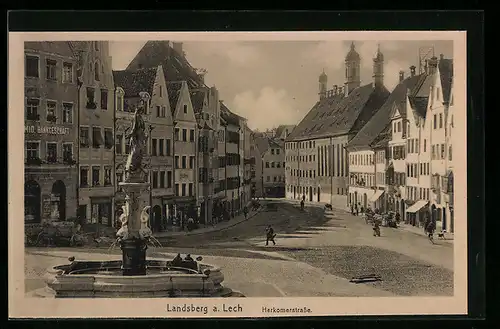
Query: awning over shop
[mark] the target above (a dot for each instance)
(376, 196)
(417, 206)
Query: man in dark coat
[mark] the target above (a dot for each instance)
(270, 235)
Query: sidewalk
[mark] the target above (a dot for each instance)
(420, 231)
(209, 228)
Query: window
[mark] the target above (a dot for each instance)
(268, 178)
(272, 151)
(158, 112)
(272, 164)
(84, 137)
(119, 144)
(191, 189)
(283, 165)
(67, 72)
(437, 93)
(50, 67)
(104, 99)
(191, 162)
(161, 149)
(51, 152)
(185, 107)
(32, 66)
(96, 173)
(162, 179)
(107, 176)
(67, 113)
(435, 121)
(177, 162)
(183, 190)
(91, 98)
(176, 134)
(32, 109)
(275, 178)
(440, 120)
(84, 177)
(184, 160)
(399, 126)
(442, 151)
(184, 135)
(67, 152)
(119, 179)
(433, 152)
(168, 148)
(169, 179)
(177, 189)
(96, 71)
(96, 137)
(153, 146)
(191, 135)
(108, 138)
(278, 164)
(277, 151)
(425, 145)
(449, 153)
(51, 111)
(155, 179)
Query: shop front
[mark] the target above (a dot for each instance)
(417, 212)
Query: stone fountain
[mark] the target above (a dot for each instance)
(134, 275)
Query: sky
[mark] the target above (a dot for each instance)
(272, 83)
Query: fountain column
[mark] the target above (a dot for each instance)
(134, 247)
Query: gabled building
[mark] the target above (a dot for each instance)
(50, 132)
(96, 123)
(318, 167)
(283, 131)
(147, 88)
(369, 155)
(272, 175)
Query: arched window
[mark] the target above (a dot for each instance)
(119, 98)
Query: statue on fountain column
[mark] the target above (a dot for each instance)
(137, 139)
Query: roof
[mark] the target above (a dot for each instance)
(419, 96)
(229, 116)
(338, 114)
(133, 82)
(62, 48)
(369, 132)
(197, 99)
(175, 65)
(174, 91)
(383, 139)
(352, 55)
(446, 75)
(282, 128)
(262, 144)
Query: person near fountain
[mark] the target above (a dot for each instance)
(270, 235)
(177, 261)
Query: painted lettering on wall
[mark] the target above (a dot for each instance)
(46, 130)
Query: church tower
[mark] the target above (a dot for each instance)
(323, 81)
(378, 69)
(352, 69)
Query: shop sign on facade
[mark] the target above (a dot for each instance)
(47, 130)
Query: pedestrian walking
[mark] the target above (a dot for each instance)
(270, 235)
(356, 210)
(245, 212)
(352, 209)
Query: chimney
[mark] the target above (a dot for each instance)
(401, 76)
(432, 65)
(177, 46)
(412, 70)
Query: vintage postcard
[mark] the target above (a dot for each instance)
(237, 174)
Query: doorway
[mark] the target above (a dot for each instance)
(310, 193)
(58, 201)
(32, 202)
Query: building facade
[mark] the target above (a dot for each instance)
(318, 165)
(51, 132)
(96, 136)
(273, 171)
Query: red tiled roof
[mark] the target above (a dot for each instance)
(337, 114)
(62, 48)
(133, 82)
(376, 124)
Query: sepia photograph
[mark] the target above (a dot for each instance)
(231, 168)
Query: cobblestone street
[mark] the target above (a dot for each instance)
(313, 257)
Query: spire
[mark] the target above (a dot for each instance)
(379, 56)
(378, 68)
(352, 55)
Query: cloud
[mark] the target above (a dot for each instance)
(238, 53)
(269, 108)
(331, 55)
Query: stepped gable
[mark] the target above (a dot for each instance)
(63, 48)
(376, 124)
(174, 91)
(133, 82)
(338, 114)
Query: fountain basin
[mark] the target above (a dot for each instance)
(104, 279)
